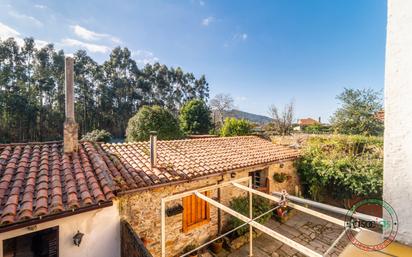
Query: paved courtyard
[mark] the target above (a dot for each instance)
(312, 232)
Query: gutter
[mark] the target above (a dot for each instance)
(42, 219)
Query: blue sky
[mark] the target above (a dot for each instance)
(260, 52)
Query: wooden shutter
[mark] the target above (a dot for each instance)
(196, 212)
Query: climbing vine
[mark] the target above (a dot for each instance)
(342, 166)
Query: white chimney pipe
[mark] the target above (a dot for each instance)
(153, 149)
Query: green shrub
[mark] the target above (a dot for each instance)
(317, 128)
(280, 177)
(241, 205)
(343, 166)
(236, 127)
(97, 135)
(195, 117)
(152, 118)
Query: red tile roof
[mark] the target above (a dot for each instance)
(187, 159)
(307, 122)
(37, 180)
(380, 116)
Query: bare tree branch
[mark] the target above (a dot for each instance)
(221, 103)
(282, 122)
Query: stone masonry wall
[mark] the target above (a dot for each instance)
(131, 244)
(291, 184)
(142, 210)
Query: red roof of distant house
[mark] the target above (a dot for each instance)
(38, 180)
(380, 116)
(307, 122)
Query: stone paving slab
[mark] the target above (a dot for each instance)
(309, 231)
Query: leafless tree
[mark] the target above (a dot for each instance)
(282, 122)
(219, 104)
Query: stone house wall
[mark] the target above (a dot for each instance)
(131, 244)
(142, 209)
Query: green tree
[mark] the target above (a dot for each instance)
(106, 96)
(86, 78)
(357, 113)
(152, 118)
(195, 117)
(120, 76)
(236, 127)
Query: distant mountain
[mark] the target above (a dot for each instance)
(247, 116)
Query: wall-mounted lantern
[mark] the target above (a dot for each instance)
(77, 239)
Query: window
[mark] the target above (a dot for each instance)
(257, 178)
(43, 243)
(196, 212)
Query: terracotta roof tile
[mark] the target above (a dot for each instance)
(38, 179)
(129, 163)
(307, 122)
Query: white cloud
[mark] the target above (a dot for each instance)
(93, 36)
(143, 57)
(235, 39)
(240, 36)
(26, 18)
(208, 20)
(94, 48)
(240, 98)
(40, 6)
(6, 31)
(40, 43)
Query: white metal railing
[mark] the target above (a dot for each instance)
(252, 221)
(330, 208)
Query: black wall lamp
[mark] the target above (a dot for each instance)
(77, 239)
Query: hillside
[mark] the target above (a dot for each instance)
(247, 116)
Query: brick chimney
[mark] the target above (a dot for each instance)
(153, 149)
(70, 133)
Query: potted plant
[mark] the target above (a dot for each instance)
(280, 177)
(283, 213)
(190, 248)
(217, 245)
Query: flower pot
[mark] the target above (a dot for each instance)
(217, 246)
(284, 214)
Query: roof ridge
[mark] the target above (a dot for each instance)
(184, 140)
(33, 143)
